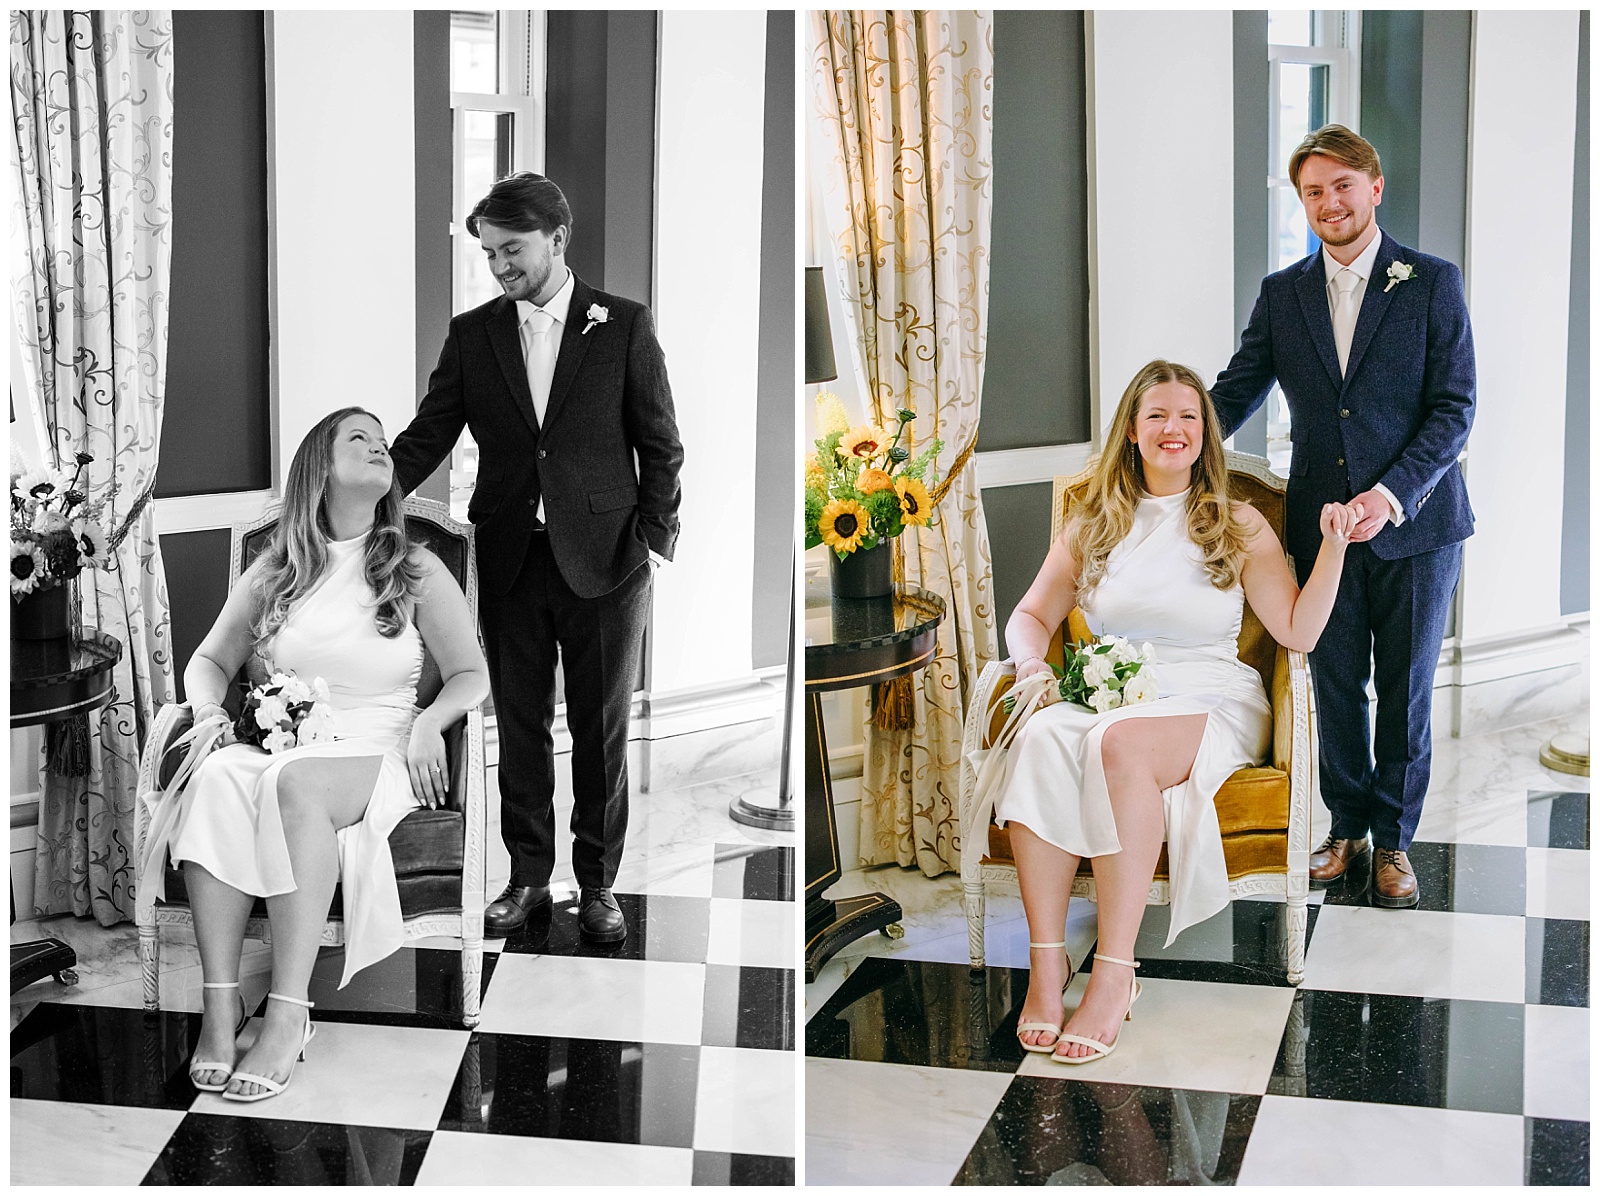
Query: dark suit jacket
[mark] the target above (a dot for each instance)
(609, 406)
(1400, 415)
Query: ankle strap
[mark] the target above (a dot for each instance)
(1047, 944)
(1129, 963)
(291, 1000)
(219, 984)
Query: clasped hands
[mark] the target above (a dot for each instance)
(1344, 523)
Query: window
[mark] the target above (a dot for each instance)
(497, 110)
(1316, 80)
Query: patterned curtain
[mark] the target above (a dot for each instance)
(91, 230)
(906, 98)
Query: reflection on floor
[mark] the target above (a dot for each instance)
(667, 1059)
(1443, 1045)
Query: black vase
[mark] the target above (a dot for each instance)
(43, 614)
(865, 573)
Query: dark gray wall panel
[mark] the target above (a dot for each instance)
(630, 153)
(216, 433)
(1019, 538)
(1252, 153)
(1391, 112)
(1575, 497)
(1036, 371)
(197, 586)
(434, 181)
(777, 373)
(1446, 84)
(575, 132)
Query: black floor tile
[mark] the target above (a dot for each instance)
(578, 1088)
(1253, 952)
(714, 1168)
(749, 1007)
(1391, 1050)
(1557, 962)
(1471, 878)
(753, 873)
(935, 1014)
(418, 987)
(675, 929)
(1073, 1132)
(207, 1149)
(1558, 1152)
(1558, 820)
(104, 1056)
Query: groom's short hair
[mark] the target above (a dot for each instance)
(523, 202)
(1340, 144)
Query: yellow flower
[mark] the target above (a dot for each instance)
(865, 442)
(873, 480)
(915, 506)
(830, 414)
(843, 524)
(815, 478)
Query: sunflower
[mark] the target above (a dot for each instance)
(27, 566)
(91, 543)
(873, 480)
(915, 506)
(40, 484)
(843, 524)
(865, 442)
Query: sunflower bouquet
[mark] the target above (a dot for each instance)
(56, 531)
(862, 485)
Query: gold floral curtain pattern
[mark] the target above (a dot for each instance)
(90, 229)
(906, 99)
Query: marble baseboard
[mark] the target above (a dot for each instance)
(701, 756)
(1519, 700)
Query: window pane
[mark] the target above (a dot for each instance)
(1289, 27)
(1292, 238)
(474, 52)
(486, 156)
(1294, 112)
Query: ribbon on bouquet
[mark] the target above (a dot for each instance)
(199, 741)
(993, 765)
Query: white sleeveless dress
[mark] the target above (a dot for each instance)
(229, 821)
(1154, 589)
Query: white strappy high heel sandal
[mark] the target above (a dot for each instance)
(196, 1065)
(1046, 1048)
(273, 1087)
(1100, 1049)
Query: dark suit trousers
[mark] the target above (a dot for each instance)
(1387, 624)
(600, 642)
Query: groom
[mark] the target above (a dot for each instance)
(576, 503)
(1371, 344)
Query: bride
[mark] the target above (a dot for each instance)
(1156, 553)
(340, 594)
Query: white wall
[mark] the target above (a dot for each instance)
(1160, 194)
(707, 280)
(1519, 250)
(343, 218)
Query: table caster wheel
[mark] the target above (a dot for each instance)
(894, 931)
(66, 976)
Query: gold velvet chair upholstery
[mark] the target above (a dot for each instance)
(1265, 812)
(438, 854)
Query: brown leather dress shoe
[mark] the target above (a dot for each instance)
(1331, 861)
(1394, 885)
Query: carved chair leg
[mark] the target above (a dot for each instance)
(471, 968)
(972, 896)
(1294, 946)
(150, 965)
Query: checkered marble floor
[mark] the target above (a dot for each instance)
(664, 1060)
(1443, 1045)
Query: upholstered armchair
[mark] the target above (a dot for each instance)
(438, 854)
(1265, 812)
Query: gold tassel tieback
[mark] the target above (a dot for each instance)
(894, 705)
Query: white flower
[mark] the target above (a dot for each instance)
(1399, 272)
(47, 521)
(317, 727)
(40, 485)
(1147, 653)
(1098, 669)
(279, 741)
(91, 543)
(272, 712)
(597, 315)
(1122, 652)
(1139, 688)
(1104, 699)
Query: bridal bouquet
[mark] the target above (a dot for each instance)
(1103, 675)
(862, 485)
(285, 712)
(55, 528)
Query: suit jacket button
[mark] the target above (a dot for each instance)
(541, 454)
(1344, 413)
(1341, 460)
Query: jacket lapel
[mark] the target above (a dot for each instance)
(573, 346)
(1374, 303)
(1312, 289)
(505, 338)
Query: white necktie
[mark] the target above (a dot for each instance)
(539, 351)
(1345, 310)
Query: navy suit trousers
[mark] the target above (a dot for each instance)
(1387, 624)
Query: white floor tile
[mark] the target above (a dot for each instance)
(755, 934)
(1558, 883)
(1417, 953)
(63, 1142)
(506, 1160)
(1555, 1068)
(745, 1101)
(625, 1000)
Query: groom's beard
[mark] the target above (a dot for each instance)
(1345, 233)
(530, 283)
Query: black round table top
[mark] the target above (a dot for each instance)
(55, 679)
(861, 641)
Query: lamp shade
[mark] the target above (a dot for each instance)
(819, 337)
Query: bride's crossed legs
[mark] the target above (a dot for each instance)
(317, 797)
(1141, 757)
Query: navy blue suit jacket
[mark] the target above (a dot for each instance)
(1400, 414)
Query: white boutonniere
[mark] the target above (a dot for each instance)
(1399, 272)
(597, 315)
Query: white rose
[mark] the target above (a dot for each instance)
(1098, 669)
(279, 741)
(271, 713)
(1141, 687)
(1147, 653)
(1103, 700)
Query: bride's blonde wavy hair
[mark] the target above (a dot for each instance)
(294, 559)
(1106, 515)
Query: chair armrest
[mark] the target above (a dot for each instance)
(1282, 698)
(978, 732)
(456, 756)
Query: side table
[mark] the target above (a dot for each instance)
(851, 642)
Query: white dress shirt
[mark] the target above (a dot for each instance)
(1362, 268)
